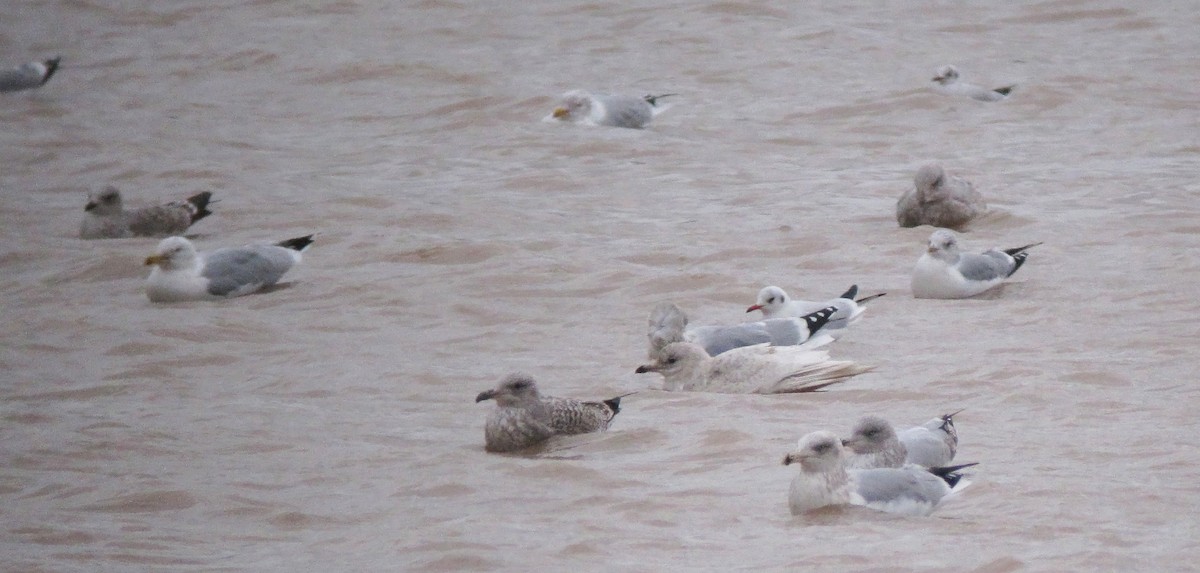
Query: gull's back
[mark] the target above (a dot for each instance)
(625, 111)
(243, 270)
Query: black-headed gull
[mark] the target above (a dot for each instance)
(945, 272)
(947, 81)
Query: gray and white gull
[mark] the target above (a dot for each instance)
(949, 82)
(29, 75)
(181, 273)
(581, 107)
(943, 271)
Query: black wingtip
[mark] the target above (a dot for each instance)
(950, 474)
(1013, 252)
(1004, 90)
(819, 319)
(297, 244)
(200, 203)
(653, 99)
(51, 67)
(614, 404)
(870, 298)
(850, 292)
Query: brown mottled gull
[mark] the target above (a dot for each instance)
(824, 480)
(759, 369)
(948, 82)
(939, 200)
(524, 418)
(28, 75)
(181, 273)
(105, 216)
(583, 108)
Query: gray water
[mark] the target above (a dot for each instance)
(329, 425)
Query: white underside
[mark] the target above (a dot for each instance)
(933, 278)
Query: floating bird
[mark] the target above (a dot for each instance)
(774, 302)
(939, 200)
(180, 273)
(524, 418)
(944, 272)
(105, 217)
(874, 443)
(28, 75)
(669, 324)
(824, 480)
(759, 369)
(583, 108)
(947, 82)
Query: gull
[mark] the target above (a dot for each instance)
(524, 418)
(774, 302)
(939, 200)
(874, 443)
(944, 272)
(28, 75)
(758, 369)
(583, 108)
(932, 444)
(668, 323)
(947, 82)
(105, 217)
(180, 273)
(824, 480)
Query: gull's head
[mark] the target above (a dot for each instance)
(104, 202)
(929, 177)
(817, 452)
(514, 390)
(770, 300)
(946, 75)
(575, 106)
(173, 253)
(871, 435)
(943, 244)
(675, 358)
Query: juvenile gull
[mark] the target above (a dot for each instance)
(873, 444)
(824, 480)
(104, 216)
(28, 75)
(524, 418)
(583, 108)
(932, 444)
(939, 200)
(947, 82)
(180, 273)
(759, 369)
(944, 272)
(774, 302)
(668, 323)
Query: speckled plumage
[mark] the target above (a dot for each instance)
(940, 200)
(105, 216)
(524, 418)
(874, 444)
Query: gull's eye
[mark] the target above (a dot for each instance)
(821, 448)
(771, 300)
(672, 360)
(872, 433)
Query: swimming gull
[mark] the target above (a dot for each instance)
(581, 107)
(774, 302)
(668, 323)
(824, 481)
(939, 200)
(932, 444)
(759, 369)
(105, 217)
(28, 75)
(874, 443)
(947, 82)
(524, 418)
(180, 273)
(944, 272)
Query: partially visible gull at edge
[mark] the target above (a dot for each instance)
(668, 323)
(874, 443)
(28, 76)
